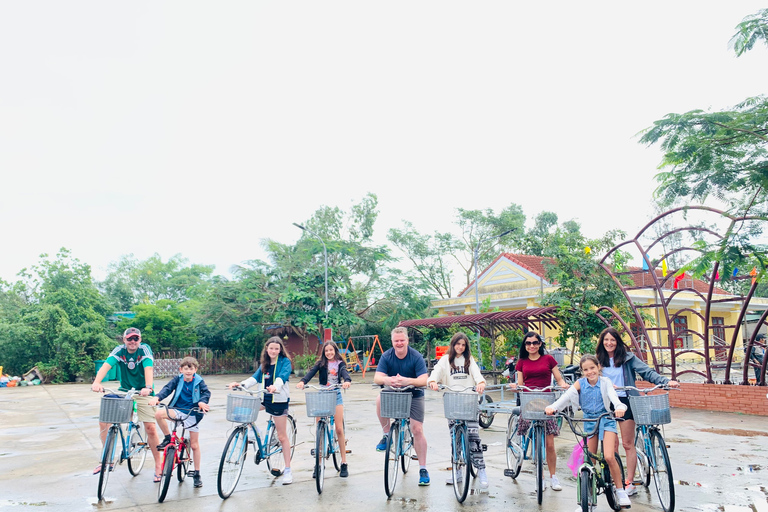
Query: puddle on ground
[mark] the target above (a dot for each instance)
(733, 432)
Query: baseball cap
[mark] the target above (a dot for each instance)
(131, 330)
(760, 337)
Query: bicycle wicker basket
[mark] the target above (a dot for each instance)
(533, 403)
(396, 404)
(650, 409)
(321, 403)
(242, 408)
(460, 406)
(115, 409)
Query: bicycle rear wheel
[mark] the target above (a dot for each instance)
(137, 448)
(107, 461)
(321, 451)
(165, 481)
(232, 462)
(336, 455)
(538, 448)
(390, 460)
(460, 463)
(291, 426)
(515, 453)
(275, 459)
(183, 467)
(611, 486)
(662, 472)
(643, 473)
(406, 457)
(485, 418)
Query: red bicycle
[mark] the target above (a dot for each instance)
(176, 454)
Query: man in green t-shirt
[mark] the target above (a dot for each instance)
(136, 372)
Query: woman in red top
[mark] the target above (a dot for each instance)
(535, 369)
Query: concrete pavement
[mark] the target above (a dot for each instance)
(49, 445)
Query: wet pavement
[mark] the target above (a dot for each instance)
(49, 446)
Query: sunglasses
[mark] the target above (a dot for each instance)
(133, 338)
(532, 343)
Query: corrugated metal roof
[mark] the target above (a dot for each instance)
(499, 320)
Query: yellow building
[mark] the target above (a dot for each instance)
(517, 281)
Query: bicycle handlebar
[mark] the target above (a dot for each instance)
(575, 429)
(329, 387)
(526, 388)
(665, 387)
(454, 388)
(240, 387)
(128, 394)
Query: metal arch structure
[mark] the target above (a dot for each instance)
(664, 295)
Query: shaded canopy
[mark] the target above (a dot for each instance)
(489, 323)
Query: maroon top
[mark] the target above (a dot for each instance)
(538, 373)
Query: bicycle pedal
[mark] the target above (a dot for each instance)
(312, 452)
(414, 457)
(509, 472)
(485, 447)
(348, 450)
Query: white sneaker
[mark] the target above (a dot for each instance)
(556, 484)
(623, 498)
(449, 480)
(288, 477)
(631, 489)
(483, 477)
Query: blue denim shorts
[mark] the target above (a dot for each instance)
(606, 425)
(339, 401)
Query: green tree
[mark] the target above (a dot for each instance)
(722, 154)
(163, 325)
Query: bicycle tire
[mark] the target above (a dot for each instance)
(107, 461)
(165, 480)
(460, 463)
(275, 459)
(515, 454)
(407, 446)
(336, 452)
(662, 472)
(485, 419)
(137, 449)
(321, 449)
(232, 462)
(538, 446)
(291, 426)
(643, 473)
(390, 459)
(183, 468)
(585, 489)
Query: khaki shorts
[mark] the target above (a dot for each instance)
(146, 412)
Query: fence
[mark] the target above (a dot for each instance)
(212, 362)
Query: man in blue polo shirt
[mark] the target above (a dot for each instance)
(398, 367)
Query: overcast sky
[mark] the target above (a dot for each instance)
(202, 128)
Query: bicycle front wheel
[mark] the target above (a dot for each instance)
(585, 489)
(538, 447)
(390, 460)
(460, 463)
(165, 481)
(232, 462)
(515, 453)
(107, 461)
(334, 443)
(610, 486)
(662, 472)
(406, 457)
(643, 473)
(321, 451)
(275, 459)
(137, 448)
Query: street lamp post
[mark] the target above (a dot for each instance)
(325, 255)
(477, 297)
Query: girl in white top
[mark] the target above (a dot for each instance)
(458, 368)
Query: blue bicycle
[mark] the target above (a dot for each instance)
(649, 412)
(117, 409)
(322, 405)
(244, 410)
(396, 404)
(532, 445)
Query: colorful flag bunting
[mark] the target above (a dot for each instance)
(735, 271)
(753, 273)
(587, 250)
(664, 268)
(645, 263)
(678, 279)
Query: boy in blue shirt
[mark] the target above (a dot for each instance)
(189, 391)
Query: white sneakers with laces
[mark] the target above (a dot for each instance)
(483, 477)
(631, 489)
(556, 484)
(287, 477)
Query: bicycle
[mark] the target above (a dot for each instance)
(117, 409)
(460, 407)
(396, 404)
(532, 405)
(176, 454)
(592, 481)
(322, 405)
(649, 412)
(244, 410)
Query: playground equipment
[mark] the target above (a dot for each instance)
(369, 361)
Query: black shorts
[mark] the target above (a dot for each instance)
(628, 412)
(276, 408)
